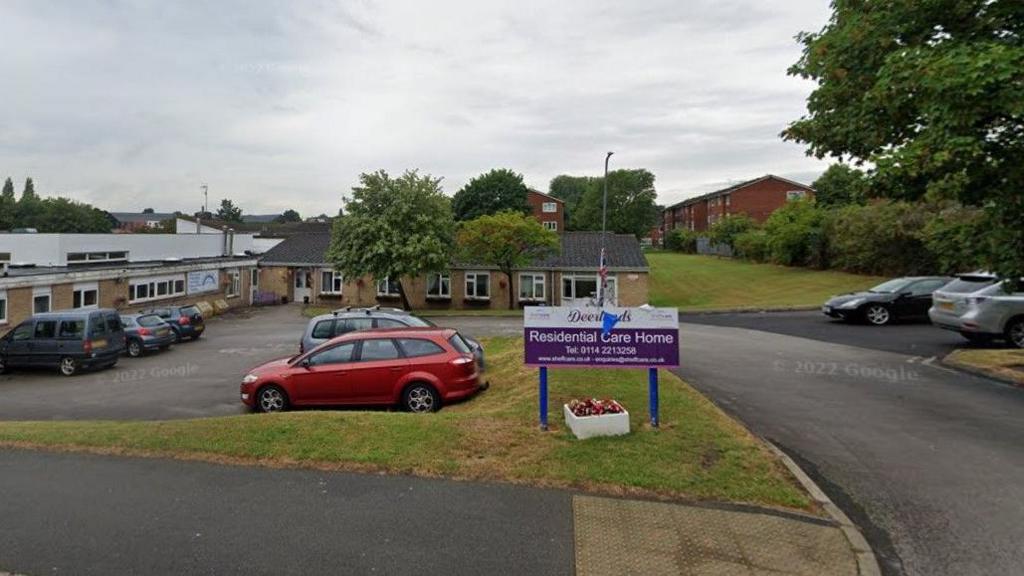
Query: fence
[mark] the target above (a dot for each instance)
(704, 246)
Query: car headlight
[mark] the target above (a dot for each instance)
(852, 303)
(249, 379)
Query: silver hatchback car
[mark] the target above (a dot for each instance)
(981, 308)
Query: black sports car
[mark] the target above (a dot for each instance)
(897, 299)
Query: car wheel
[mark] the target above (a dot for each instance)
(877, 314)
(1015, 332)
(134, 348)
(177, 337)
(68, 366)
(421, 398)
(271, 399)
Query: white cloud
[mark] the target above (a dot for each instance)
(282, 105)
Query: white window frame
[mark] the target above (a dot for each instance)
(40, 292)
(532, 279)
(94, 257)
(551, 225)
(613, 285)
(80, 290)
(335, 278)
(443, 279)
(795, 194)
(471, 294)
(386, 283)
(151, 283)
(3, 306)
(549, 207)
(234, 289)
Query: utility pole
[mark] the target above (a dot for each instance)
(206, 199)
(603, 269)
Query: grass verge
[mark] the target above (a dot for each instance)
(1005, 365)
(698, 453)
(700, 283)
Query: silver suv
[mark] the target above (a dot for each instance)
(344, 320)
(981, 308)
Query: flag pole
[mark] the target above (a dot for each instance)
(602, 270)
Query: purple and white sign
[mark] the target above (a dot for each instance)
(641, 337)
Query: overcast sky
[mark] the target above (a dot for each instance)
(279, 105)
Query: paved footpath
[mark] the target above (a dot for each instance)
(87, 514)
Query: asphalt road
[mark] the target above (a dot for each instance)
(82, 514)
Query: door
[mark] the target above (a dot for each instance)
(376, 372)
(918, 300)
(254, 286)
(70, 334)
(42, 347)
(325, 379)
(17, 345)
(303, 285)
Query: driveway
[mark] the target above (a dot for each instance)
(190, 380)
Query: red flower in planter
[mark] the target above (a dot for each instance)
(594, 407)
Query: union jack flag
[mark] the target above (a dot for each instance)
(602, 271)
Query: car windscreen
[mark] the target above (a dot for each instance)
(127, 321)
(459, 344)
(892, 286)
(190, 311)
(968, 284)
(150, 321)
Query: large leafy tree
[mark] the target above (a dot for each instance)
(632, 207)
(228, 212)
(570, 189)
(394, 228)
(932, 95)
(8, 204)
(490, 193)
(64, 215)
(289, 216)
(506, 240)
(29, 207)
(840, 185)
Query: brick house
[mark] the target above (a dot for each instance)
(548, 209)
(297, 269)
(756, 198)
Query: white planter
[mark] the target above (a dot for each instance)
(591, 426)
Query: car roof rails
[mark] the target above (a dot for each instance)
(339, 310)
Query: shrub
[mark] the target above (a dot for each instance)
(751, 245)
(795, 235)
(883, 238)
(956, 236)
(728, 228)
(680, 240)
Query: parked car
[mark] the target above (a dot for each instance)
(185, 321)
(344, 320)
(981, 308)
(897, 299)
(417, 368)
(68, 340)
(145, 332)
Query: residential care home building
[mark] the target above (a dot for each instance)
(297, 269)
(44, 272)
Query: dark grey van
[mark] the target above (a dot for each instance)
(68, 340)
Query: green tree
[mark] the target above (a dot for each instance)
(632, 207)
(67, 216)
(148, 211)
(394, 228)
(795, 235)
(289, 216)
(570, 190)
(507, 240)
(883, 238)
(932, 95)
(29, 207)
(490, 193)
(8, 205)
(228, 212)
(729, 227)
(840, 185)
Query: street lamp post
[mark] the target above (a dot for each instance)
(603, 269)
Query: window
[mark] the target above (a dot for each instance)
(478, 285)
(85, 296)
(378, 349)
(795, 194)
(234, 283)
(331, 282)
(3, 307)
(389, 323)
(925, 287)
(352, 324)
(97, 326)
(415, 347)
(94, 257)
(584, 287)
(40, 300)
(387, 287)
(549, 207)
(551, 225)
(155, 288)
(337, 355)
(45, 329)
(439, 286)
(531, 286)
(23, 332)
(72, 329)
(459, 344)
(324, 329)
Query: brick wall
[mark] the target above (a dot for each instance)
(759, 200)
(537, 200)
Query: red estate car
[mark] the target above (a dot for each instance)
(418, 368)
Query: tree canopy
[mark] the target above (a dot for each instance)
(48, 214)
(394, 228)
(632, 207)
(289, 216)
(228, 212)
(840, 185)
(570, 190)
(8, 205)
(490, 193)
(932, 95)
(506, 240)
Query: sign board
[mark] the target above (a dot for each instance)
(203, 281)
(642, 337)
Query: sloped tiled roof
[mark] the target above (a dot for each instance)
(125, 217)
(736, 186)
(308, 249)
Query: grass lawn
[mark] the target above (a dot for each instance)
(1006, 363)
(699, 452)
(693, 282)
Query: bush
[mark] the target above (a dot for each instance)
(728, 228)
(955, 236)
(883, 238)
(751, 245)
(680, 240)
(795, 235)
